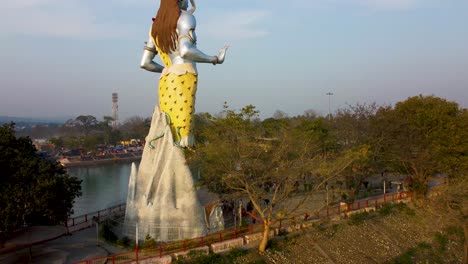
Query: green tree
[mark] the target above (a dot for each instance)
(271, 126)
(58, 142)
(86, 122)
(135, 127)
(109, 135)
(353, 124)
(33, 190)
(422, 136)
(316, 130)
(236, 159)
(201, 122)
(353, 129)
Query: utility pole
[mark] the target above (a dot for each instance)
(329, 104)
(327, 194)
(136, 242)
(96, 221)
(239, 211)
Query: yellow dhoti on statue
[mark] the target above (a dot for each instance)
(177, 88)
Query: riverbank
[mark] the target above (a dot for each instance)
(78, 161)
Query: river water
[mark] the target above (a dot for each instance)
(102, 186)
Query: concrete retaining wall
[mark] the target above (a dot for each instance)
(202, 250)
(157, 260)
(227, 245)
(257, 236)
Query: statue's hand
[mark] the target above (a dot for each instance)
(222, 54)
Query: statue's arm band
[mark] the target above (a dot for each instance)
(187, 36)
(150, 49)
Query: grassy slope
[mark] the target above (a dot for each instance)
(394, 234)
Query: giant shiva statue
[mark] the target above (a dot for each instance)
(162, 201)
(173, 36)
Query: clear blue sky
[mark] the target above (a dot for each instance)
(66, 57)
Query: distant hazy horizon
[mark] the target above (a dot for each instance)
(63, 119)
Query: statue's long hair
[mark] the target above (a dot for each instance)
(165, 25)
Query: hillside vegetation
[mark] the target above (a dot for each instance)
(393, 234)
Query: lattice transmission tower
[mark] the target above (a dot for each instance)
(115, 110)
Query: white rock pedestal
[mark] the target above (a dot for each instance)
(161, 194)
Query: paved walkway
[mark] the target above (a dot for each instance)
(62, 248)
(31, 236)
(66, 249)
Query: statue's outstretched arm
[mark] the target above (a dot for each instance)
(188, 42)
(149, 53)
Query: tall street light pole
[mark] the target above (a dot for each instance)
(329, 104)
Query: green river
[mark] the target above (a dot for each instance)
(103, 186)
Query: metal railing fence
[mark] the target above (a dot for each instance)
(186, 245)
